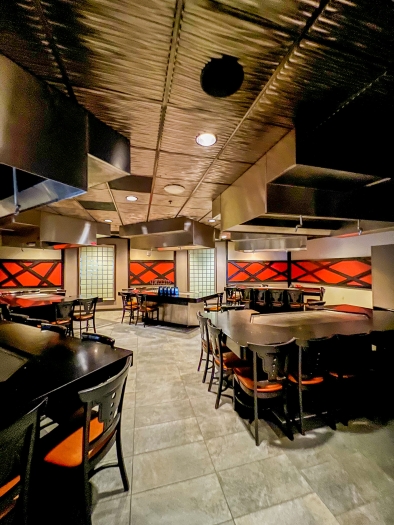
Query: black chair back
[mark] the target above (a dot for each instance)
(57, 328)
(31, 321)
(87, 336)
(351, 355)
(313, 358)
(232, 293)
(17, 442)
(277, 298)
(127, 299)
(5, 312)
(64, 310)
(214, 337)
(246, 294)
(261, 299)
(295, 299)
(87, 306)
(18, 318)
(273, 360)
(202, 323)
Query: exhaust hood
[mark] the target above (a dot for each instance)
(48, 142)
(46, 230)
(247, 242)
(169, 234)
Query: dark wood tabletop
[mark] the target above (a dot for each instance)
(266, 329)
(40, 299)
(51, 363)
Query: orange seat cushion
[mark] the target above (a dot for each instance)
(345, 376)
(245, 376)
(8, 486)
(231, 360)
(83, 317)
(68, 453)
(62, 321)
(312, 381)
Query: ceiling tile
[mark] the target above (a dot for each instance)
(172, 201)
(120, 197)
(188, 168)
(225, 172)
(102, 206)
(94, 194)
(142, 161)
(208, 190)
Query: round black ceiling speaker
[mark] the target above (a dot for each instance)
(222, 77)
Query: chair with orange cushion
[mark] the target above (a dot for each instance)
(17, 448)
(129, 305)
(147, 308)
(85, 311)
(224, 361)
(350, 372)
(78, 445)
(210, 307)
(306, 370)
(266, 380)
(64, 312)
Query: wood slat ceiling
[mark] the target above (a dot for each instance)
(136, 66)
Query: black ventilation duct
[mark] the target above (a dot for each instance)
(222, 77)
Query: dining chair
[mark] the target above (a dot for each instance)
(78, 446)
(277, 300)
(246, 296)
(48, 327)
(306, 371)
(224, 361)
(228, 307)
(98, 338)
(18, 318)
(295, 300)
(129, 305)
(17, 448)
(147, 309)
(350, 372)
(266, 382)
(261, 300)
(216, 307)
(205, 347)
(85, 311)
(64, 312)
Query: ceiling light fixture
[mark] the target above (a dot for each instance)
(174, 189)
(131, 198)
(211, 220)
(206, 139)
(107, 220)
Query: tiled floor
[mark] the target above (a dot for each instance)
(190, 464)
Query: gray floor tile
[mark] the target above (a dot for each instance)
(220, 425)
(380, 512)
(108, 482)
(237, 449)
(164, 435)
(308, 510)
(199, 389)
(114, 511)
(162, 413)
(204, 406)
(199, 501)
(261, 484)
(171, 392)
(170, 465)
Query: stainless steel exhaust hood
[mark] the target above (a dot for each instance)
(44, 230)
(169, 234)
(286, 185)
(246, 242)
(45, 141)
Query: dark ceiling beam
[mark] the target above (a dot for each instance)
(49, 34)
(176, 29)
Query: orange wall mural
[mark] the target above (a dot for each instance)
(355, 272)
(142, 272)
(31, 274)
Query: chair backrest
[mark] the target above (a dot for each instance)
(57, 328)
(202, 323)
(5, 312)
(88, 306)
(231, 292)
(227, 307)
(108, 397)
(64, 310)
(32, 321)
(277, 296)
(314, 357)
(351, 354)
(273, 360)
(261, 295)
(215, 336)
(246, 294)
(98, 338)
(19, 318)
(294, 296)
(17, 442)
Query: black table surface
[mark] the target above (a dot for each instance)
(52, 362)
(268, 329)
(40, 299)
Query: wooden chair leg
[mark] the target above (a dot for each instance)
(123, 314)
(219, 387)
(94, 323)
(206, 367)
(255, 401)
(212, 374)
(121, 464)
(200, 361)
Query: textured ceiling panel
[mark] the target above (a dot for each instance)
(174, 166)
(142, 161)
(72, 211)
(94, 194)
(171, 201)
(138, 214)
(208, 190)
(161, 183)
(100, 216)
(226, 172)
(120, 197)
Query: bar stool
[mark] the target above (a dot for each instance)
(246, 296)
(205, 348)
(86, 311)
(214, 307)
(146, 308)
(129, 304)
(277, 299)
(261, 300)
(232, 295)
(294, 300)
(64, 312)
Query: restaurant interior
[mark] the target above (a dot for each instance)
(196, 262)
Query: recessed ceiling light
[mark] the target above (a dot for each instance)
(211, 220)
(206, 139)
(107, 220)
(131, 198)
(224, 236)
(174, 189)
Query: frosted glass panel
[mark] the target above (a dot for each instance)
(202, 271)
(97, 271)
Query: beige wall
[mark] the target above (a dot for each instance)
(221, 263)
(122, 256)
(141, 255)
(71, 276)
(181, 270)
(8, 252)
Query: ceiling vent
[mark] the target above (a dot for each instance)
(222, 77)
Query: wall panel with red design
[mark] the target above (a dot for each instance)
(31, 273)
(142, 272)
(355, 272)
